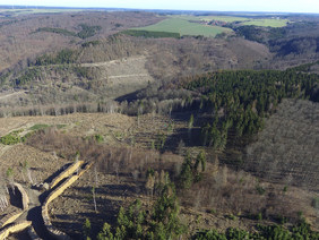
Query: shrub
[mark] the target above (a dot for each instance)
(211, 211)
(38, 127)
(260, 216)
(260, 190)
(231, 217)
(9, 139)
(99, 138)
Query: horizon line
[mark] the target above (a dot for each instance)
(154, 9)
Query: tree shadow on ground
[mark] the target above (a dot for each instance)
(115, 190)
(188, 138)
(15, 197)
(56, 173)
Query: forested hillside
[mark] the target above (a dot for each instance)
(159, 134)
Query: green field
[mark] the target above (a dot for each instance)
(262, 22)
(227, 19)
(184, 27)
(266, 22)
(16, 11)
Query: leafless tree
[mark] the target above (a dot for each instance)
(94, 200)
(149, 185)
(3, 200)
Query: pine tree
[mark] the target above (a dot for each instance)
(200, 161)
(121, 218)
(106, 233)
(87, 228)
(186, 177)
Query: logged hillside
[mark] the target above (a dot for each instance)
(183, 137)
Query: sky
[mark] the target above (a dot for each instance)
(305, 6)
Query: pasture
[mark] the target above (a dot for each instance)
(185, 27)
(25, 11)
(227, 19)
(249, 20)
(266, 22)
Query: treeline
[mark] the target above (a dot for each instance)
(52, 110)
(305, 67)
(65, 56)
(57, 30)
(151, 34)
(86, 32)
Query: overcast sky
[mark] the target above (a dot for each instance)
(309, 6)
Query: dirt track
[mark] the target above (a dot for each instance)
(125, 75)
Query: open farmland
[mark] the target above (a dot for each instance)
(25, 11)
(261, 22)
(185, 27)
(249, 21)
(227, 19)
(266, 22)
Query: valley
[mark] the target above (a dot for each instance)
(158, 125)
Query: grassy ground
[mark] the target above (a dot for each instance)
(15, 11)
(266, 22)
(227, 19)
(262, 22)
(184, 27)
